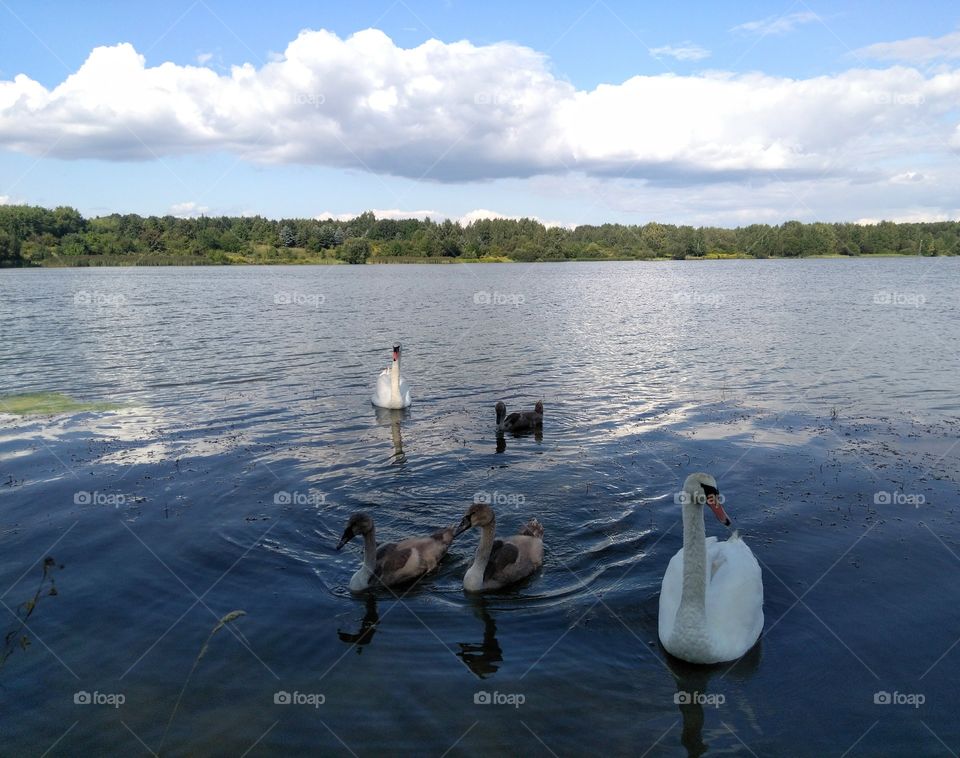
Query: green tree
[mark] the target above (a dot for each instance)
(9, 250)
(327, 236)
(791, 239)
(355, 250)
(73, 244)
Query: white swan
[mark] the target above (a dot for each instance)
(711, 599)
(392, 390)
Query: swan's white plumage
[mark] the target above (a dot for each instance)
(391, 389)
(733, 594)
(734, 602)
(382, 392)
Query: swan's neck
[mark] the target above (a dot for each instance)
(369, 552)
(693, 600)
(395, 381)
(361, 580)
(473, 579)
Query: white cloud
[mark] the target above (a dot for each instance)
(915, 49)
(393, 213)
(466, 219)
(921, 216)
(461, 112)
(777, 24)
(481, 214)
(5, 200)
(188, 210)
(203, 58)
(907, 177)
(758, 200)
(685, 51)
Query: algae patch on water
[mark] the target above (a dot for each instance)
(48, 404)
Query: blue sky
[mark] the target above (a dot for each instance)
(572, 112)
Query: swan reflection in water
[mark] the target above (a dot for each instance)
(502, 438)
(694, 698)
(368, 626)
(392, 417)
(482, 658)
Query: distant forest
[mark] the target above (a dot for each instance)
(32, 236)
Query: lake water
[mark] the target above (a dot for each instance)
(821, 394)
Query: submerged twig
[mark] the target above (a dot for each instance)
(232, 616)
(15, 638)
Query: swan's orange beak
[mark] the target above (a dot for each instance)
(396, 353)
(717, 509)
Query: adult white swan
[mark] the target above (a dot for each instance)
(392, 390)
(711, 599)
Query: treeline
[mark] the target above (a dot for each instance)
(38, 236)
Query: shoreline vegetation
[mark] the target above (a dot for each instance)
(39, 237)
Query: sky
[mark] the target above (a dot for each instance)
(571, 112)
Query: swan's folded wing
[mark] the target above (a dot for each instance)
(716, 557)
(381, 392)
(735, 596)
(391, 560)
(502, 556)
(532, 528)
(391, 568)
(734, 562)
